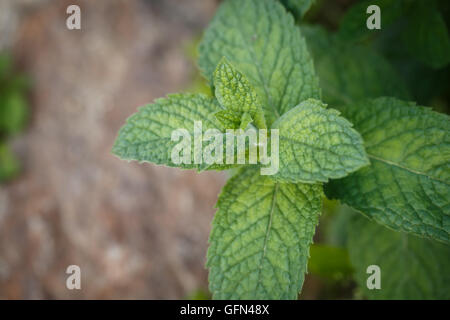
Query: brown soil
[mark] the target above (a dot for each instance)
(136, 230)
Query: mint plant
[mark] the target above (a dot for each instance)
(385, 157)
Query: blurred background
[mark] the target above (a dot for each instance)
(136, 231)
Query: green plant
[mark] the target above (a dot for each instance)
(383, 156)
(13, 114)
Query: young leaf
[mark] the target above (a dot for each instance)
(407, 185)
(147, 135)
(317, 144)
(261, 235)
(350, 72)
(236, 95)
(260, 39)
(411, 267)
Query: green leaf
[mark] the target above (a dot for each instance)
(298, 7)
(260, 39)
(317, 144)
(260, 239)
(147, 135)
(426, 37)
(407, 185)
(350, 72)
(236, 95)
(411, 267)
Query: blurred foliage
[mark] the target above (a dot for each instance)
(409, 57)
(329, 262)
(411, 267)
(336, 227)
(298, 8)
(198, 83)
(13, 114)
(350, 72)
(421, 27)
(199, 294)
(9, 165)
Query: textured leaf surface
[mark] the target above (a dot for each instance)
(146, 136)
(260, 39)
(350, 72)
(261, 235)
(237, 96)
(317, 144)
(411, 267)
(407, 185)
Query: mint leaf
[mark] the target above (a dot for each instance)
(317, 144)
(261, 235)
(411, 267)
(407, 185)
(260, 39)
(147, 135)
(350, 72)
(236, 95)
